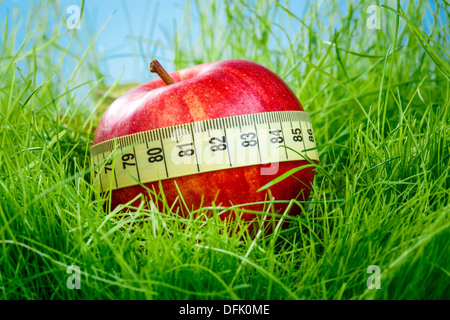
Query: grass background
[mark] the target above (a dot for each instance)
(379, 101)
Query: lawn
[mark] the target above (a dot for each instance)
(379, 101)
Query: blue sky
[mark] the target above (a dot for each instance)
(129, 21)
(138, 19)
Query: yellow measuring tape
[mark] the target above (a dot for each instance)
(203, 146)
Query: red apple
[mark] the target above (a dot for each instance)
(208, 91)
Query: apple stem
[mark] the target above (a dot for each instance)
(156, 67)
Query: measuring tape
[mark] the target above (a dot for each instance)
(203, 146)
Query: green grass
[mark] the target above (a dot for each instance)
(379, 101)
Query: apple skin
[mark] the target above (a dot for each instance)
(208, 91)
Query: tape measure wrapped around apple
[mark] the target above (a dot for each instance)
(220, 130)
